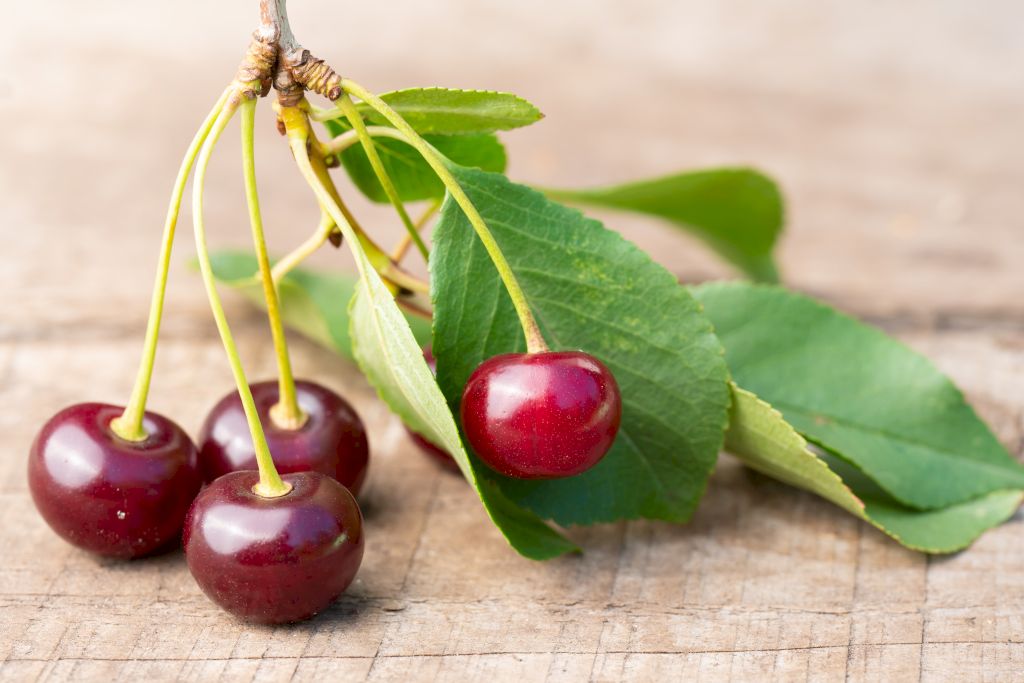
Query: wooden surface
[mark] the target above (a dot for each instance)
(895, 129)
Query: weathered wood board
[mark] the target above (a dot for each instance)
(896, 133)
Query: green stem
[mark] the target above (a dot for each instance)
(383, 178)
(304, 250)
(393, 275)
(403, 247)
(286, 414)
(270, 484)
(350, 138)
(129, 425)
(322, 114)
(298, 139)
(534, 339)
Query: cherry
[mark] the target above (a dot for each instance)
(332, 441)
(541, 415)
(274, 560)
(107, 495)
(432, 450)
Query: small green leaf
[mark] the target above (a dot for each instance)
(860, 394)
(314, 304)
(592, 290)
(413, 178)
(392, 360)
(737, 211)
(444, 111)
(763, 440)
(760, 437)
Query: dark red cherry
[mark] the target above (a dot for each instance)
(435, 452)
(274, 560)
(110, 496)
(332, 441)
(541, 415)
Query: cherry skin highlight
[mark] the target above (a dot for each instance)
(107, 495)
(332, 441)
(541, 415)
(274, 560)
(434, 452)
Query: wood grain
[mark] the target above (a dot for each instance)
(896, 132)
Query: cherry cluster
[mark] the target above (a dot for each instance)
(285, 558)
(265, 507)
(266, 559)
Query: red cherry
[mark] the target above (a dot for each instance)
(435, 452)
(107, 495)
(541, 415)
(274, 560)
(332, 441)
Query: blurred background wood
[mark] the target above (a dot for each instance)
(895, 131)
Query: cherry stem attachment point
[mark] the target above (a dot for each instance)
(356, 120)
(129, 425)
(286, 414)
(270, 484)
(534, 339)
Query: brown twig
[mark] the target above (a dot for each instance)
(297, 69)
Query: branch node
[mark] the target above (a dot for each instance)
(315, 75)
(289, 90)
(256, 71)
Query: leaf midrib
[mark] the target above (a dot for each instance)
(1009, 467)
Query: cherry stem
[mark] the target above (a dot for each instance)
(129, 425)
(356, 120)
(270, 484)
(304, 250)
(286, 414)
(534, 339)
(403, 247)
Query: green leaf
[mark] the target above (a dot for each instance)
(860, 394)
(392, 360)
(314, 304)
(592, 290)
(760, 437)
(737, 211)
(446, 112)
(413, 178)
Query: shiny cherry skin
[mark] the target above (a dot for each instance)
(274, 560)
(434, 452)
(332, 441)
(541, 415)
(109, 496)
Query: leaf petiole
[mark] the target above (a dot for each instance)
(304, 250)
(403, 247)
(296, 123)
(297, 127)
(350, 138)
